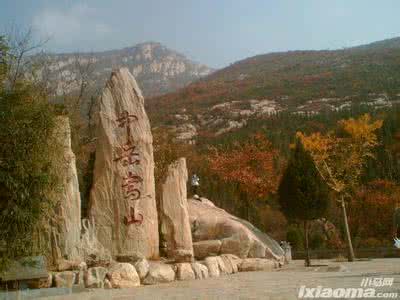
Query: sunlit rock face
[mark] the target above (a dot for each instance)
(216, 232)
(66, 224)
(122, 203)
(174, 215)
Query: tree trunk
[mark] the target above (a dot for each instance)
(307, 261)
(348, 237)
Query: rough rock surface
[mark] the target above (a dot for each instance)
(122, 201)
(70, 265)
(223, 269)
(64, 279)
(142, 268)
(238, 237)
(175, 225)
(159, 273)
(212, 265)
(123, 275)
(92, 251)
(203, 249)
(64, 232)
(184, 271)
(231, 262)
(256, 264)
(200, 270)
(94, 277)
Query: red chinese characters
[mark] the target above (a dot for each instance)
(132, 218)
(129, 186)
(125, 119)
(128, 157)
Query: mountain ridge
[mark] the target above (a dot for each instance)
(157, 68)
(300, 82)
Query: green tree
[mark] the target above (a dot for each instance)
(28, 179)
(303, 195)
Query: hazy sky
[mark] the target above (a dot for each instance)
(214, 32)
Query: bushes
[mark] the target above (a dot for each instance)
(27, 175)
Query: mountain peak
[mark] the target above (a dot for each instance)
(157, 68)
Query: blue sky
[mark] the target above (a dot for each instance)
(214, 32)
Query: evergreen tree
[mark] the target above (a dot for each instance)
(303, 195)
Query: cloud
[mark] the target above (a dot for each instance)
(79, 24)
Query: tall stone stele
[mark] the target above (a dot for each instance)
(122, 200)
(174, 215)
(63, 233)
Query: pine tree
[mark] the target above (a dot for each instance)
(303, 195)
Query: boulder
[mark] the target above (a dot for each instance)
(174, 216)
(41, 283)
(223, 269)
(231, 262)
(184, 271)
(122, 199)
(123, 275)
(94, 277)
(200, 271)
(256, 264)
(159, 273)
(47, 282)
(64, 279)
(70, 265)
(142, 268)
(206, 248)
(210, 224)
(212, 265)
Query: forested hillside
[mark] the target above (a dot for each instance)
(276, 96)
(302, 82)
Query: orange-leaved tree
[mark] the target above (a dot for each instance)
(250, 165)
(341, 156)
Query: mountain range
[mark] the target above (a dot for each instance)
(157, 69)
(297, 82)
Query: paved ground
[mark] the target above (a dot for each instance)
(282, 284)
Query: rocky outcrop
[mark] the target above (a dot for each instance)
(216, 232)
(175, 225)
(122, 202)
(157, 69)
